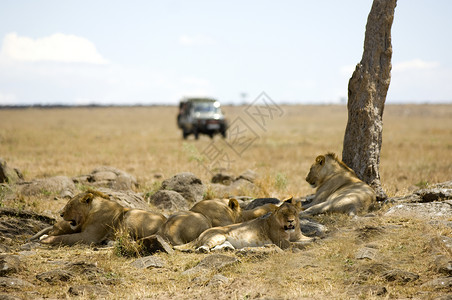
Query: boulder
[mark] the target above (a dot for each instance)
(8, 174)
(262, 201)
(168, 200)
(58, 185)
(126, 198)
(430, 210)
(108, 177)
(223, 178)
(187, 184)
(9, 264)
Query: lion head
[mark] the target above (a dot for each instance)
(287, 215)
(323, 167)
(78, 208)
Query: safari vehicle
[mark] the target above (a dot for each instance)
(201, 115)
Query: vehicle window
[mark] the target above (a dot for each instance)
(206, 107)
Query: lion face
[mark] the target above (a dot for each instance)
(315, 171)
(77, 209)
(287, 216)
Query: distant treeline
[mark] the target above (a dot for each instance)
(52, 106)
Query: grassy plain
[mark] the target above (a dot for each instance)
(145, 141)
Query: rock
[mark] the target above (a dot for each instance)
(431, 210)
(399, 276)
(435, 194)
(9, 297)
(126, 198)
(249, 175)
(156, 243)
(213, 261)
(8, 174)
(439, 283)
(108, 177)
(366, 253)
(186, 184)
(14, 283)
(262, 201)
(55, 276)
(168, 200)
(218, 280)
(442, 264)
(59, 185)
(312, 229)
(9, 264)
(222, 178)
(367, 290)
(88, 290)
(148, 262)
(259, 252)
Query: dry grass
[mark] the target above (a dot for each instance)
(144, 141)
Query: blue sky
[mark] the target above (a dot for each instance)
(142, 52)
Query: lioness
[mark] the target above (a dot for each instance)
(282, 227)
(338, 188)
(183, 227)
(92, 218)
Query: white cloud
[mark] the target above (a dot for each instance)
(55, 48)
(196, 40)
(415, 64)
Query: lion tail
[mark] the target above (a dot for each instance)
(188, 247)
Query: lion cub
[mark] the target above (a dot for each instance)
(338, 188)
(282, 227)
(90, 218)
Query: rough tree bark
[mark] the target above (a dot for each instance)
(367, 91)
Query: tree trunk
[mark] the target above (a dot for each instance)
(367, 91)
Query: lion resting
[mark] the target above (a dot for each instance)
(338, 188)
(90, 218)
(282, 228)
(183, 227)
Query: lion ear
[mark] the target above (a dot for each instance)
(289, 200)
(87, 198)
(320, 160)
(233, 204)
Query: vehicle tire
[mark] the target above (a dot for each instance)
(223, 134)
(185, 133)
(196, 135)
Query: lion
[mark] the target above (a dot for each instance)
(281, 227)
(338, 188)
(183, 227)
(90, 218)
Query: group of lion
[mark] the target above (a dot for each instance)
(91, 217)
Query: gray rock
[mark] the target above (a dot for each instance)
(108, 177)
(14, 283)
(156, 243)
(186, 184)
(9, 297)
(55, 276)
(148, 262)
(9, 264)
(366, 253)
(259, 252)
(88, 290)
(312, 229)
(213, 261)
(168, 200)
(367, 290)
(442, 264)
(222, 178)
(431, 210)
(249, 175)
(439, 283)
(218, 280)
(262, 201)
(434, 194)
(59, 185)
(399, 276)
(8, 174)
(126, 198)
